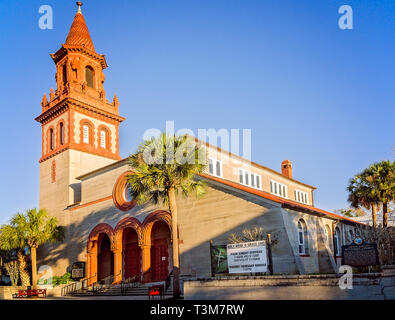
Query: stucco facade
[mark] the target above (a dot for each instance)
(82, 184)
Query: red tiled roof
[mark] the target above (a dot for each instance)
(285, 202)
(79, 34)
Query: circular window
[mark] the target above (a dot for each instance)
(120, 194)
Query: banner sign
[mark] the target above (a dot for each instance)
(247, 257)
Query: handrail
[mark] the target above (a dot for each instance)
(65, 290)
(168, 280)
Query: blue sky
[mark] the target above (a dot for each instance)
(312, 93)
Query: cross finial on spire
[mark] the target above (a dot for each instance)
(79, 4)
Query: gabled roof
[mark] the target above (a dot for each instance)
(79, 34)
(285, 203)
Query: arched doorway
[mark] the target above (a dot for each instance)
(105, 257)
(160, 251)
(131, 253)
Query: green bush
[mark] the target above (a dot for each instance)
(65, 279)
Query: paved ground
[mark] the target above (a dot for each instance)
(100, 298)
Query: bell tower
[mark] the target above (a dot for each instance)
(79, 125)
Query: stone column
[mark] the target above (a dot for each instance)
(118, 265)
(146, 262)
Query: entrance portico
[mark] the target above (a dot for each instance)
(131, 249)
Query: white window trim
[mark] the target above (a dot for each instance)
(277, 186)
(251, 176)
(103, 138)
(221, 169)
(301, 196)
(85, 133)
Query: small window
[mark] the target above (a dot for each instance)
(250, 179)
(302, 238)
(64, 74)
(103, 138)
(51, 140)
(301, 196)
(85, 133)
(89, 76)
(61, 134)
(278, 189)
(215, 167)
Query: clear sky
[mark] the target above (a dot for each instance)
(319, 96)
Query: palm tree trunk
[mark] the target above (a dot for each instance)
(374, 216)
(34, 266)
(24, 274)
(385, 214)
(174, 224)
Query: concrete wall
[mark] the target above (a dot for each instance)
(312, 287)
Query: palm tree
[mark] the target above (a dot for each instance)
(161, 168)
(363, 194)
(382, 177)
(32, 229)
(10, 239)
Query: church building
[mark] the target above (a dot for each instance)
(82, 184)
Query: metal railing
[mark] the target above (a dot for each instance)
(104, 283)
(74, 286)
(131, 282)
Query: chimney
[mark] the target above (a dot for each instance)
(286, 168)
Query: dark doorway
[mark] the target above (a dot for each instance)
(105, 258)
(160, 236)
(131, 254)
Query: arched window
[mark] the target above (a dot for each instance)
(337, 240)
(303, 237)
(85, 133)
(61, 133)
(89, 76)
(51, 140)
(103, 138)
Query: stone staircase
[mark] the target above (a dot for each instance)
(137, 289)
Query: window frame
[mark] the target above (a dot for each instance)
(252, 176)
(302, 196)
(303, 238)
(279, 189)
(214, 166)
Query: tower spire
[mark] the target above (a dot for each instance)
(79, 4)
(79, 34)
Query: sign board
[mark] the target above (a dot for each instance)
(78, 270)
(247, 257)
(219, 259)
(360, 255)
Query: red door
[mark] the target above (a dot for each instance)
(132, 260)
(159, 260)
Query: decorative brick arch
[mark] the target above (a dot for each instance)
(48, 138)
(128, 222)
(91, 126)
(108, 137)
(149, 221)
(58, 133)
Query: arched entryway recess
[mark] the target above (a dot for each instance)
(131, 249)
(157, 252)
(128, 240)
(99, 250)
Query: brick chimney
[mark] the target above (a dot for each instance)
(286, 168)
